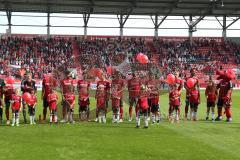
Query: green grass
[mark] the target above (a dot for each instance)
(188, 140)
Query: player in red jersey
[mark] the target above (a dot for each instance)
(8, 91)
(194, 101)
(83, 98)
(66, 88)
(119, 84)
(1, 100)
(134, 86)
(27, 85)
(101, 103)
(225, 88)
(175, 103)
(153, 102)
(178, 85)
(16, 101)
(211, 96)
(70, 101)
(142, 106)
(32, 106)
(52, 102)
(188, 94)
(46, 90)
(106, 86)
(116, 103)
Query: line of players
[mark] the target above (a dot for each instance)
(143, 96)
(13, 99)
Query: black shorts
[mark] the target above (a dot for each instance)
(220, 103)
(174, 107)
(70, 109)
(87, 101)
(31, 111)
(143, 112)
(83, 108)
(193, 105)
(45, 102)
(101, 110)
(54, 112)
(133, 100)
(115, 109)
(155, 108)
(15, 111)
(211, 104)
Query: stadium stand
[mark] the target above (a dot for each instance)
(38, 54)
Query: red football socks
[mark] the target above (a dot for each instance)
(228, 112)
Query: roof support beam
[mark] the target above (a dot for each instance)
(234, 21)
(191, 25)
(48, 25)
(229, 25)
(224, 27)
(9, 18)
(155, 21)
(122, 19)
(219, 20)
(190, 30)
(197, 21)
(86, 17)
(156, 24)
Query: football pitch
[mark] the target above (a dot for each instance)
(201, 140)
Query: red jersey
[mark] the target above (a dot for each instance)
(33, 100)
(119, 84)
(70, 98)
(83, 89)
(106, 86)
(211, 93)
(16, 105)
(52, 100)
(143, 100)
(194, 96)
(180, 82)
(174, 97)
(66, 85)
(154, 92)
(134, 86)
(8, 91)
(101, 98)
(188, 93)
(224, 87)
(116, 97)
(105, 89)
(46, 86)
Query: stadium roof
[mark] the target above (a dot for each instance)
(133, 7)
